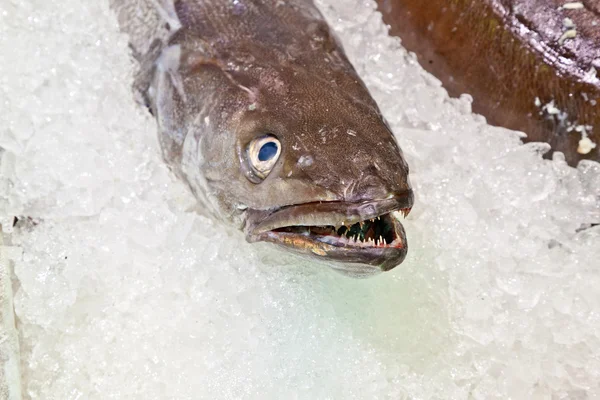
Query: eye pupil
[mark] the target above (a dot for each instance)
(268, 151)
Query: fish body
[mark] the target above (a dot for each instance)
(261, 113)
(530, 65)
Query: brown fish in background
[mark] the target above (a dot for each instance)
(262, 114)
(530, 65)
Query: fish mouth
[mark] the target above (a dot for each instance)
(358, 238)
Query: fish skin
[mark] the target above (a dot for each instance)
(233, 70)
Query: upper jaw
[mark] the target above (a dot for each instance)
(333, 213)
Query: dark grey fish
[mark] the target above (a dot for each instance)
(262, 114)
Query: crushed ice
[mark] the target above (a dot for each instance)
(125, 293)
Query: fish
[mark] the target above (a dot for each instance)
(530, 65)
(264, 117)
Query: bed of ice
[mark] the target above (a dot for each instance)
(123, 293)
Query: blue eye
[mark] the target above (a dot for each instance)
(262, 154)
(268, 151)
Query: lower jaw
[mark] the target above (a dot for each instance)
(352, 261)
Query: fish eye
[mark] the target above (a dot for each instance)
(262, 153)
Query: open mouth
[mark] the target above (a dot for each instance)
(362, 237)
(380, 231)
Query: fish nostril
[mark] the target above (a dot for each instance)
(368, 188)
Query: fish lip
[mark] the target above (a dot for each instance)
(261, 226)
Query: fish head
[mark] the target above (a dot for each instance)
(319, 172)
(304, 160)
